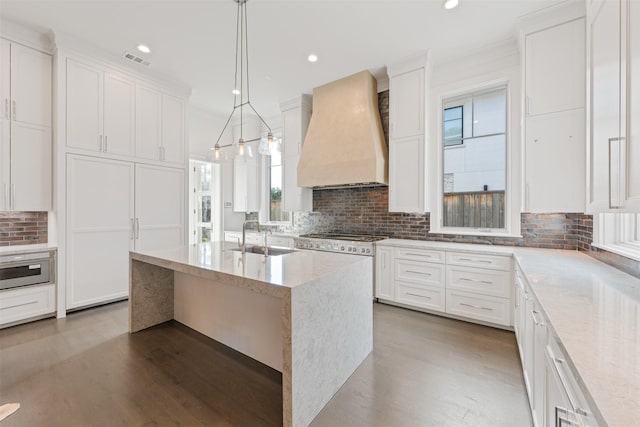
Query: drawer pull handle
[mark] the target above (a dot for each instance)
(418, 272)
(416, 295)
(475, 281)
(484, 261)
(20, 305)
(476, 306)
(412, 254)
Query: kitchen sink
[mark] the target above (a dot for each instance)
(273, 251)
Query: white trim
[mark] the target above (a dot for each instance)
(618, 233)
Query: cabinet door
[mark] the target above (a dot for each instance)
(406, 175)
(406, 104)
(172, 129)
(119, 131)
(555, 158)
(538, 367)
(384, 283)
(5, 134)
(528, 347)
(99, 229)
(84, 106)
(554, 68)
(632, 202)
(604, 103)
(30, 86)
(148, 119)
(31, 172)
(239, 184)
(159, 207)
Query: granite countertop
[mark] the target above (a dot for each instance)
(594, 310)
(283, 271)
(22, 249)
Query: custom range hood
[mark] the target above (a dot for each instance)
(344, 145)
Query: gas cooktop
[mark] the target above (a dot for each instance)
(344, 236)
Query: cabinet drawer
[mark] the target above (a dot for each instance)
(421, 273)
(428, 297)
(480, 307)
(479, 280)
(420, 255)
(24, 303)
(494, 262)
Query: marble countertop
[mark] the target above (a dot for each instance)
(22, 249)
(448, 246)
(283, 271)
(594, 310)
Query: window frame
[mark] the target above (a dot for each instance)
(512, 166)
(617, 232)
(214, 193)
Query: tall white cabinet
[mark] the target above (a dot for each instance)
(613, 34)
(25, 128)
(554, 125)
(113, 207)
(123, 162)
(407, 149)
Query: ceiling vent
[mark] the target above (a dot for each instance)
(136, 59)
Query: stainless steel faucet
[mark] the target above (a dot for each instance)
(266, 243)
(243, 246)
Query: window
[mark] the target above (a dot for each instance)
(618, 233)
(453, 125)
(276, 214)
(474, 144)
(272, 200)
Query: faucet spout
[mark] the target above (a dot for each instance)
(244, 230)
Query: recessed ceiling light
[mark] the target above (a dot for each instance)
(235, 92)
(144, 48)
(312, 58)
(450, 4)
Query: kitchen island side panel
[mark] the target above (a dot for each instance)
(332, 334)
(150, 295)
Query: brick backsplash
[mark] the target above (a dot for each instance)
(23, 228)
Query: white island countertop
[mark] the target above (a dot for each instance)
(594, 310)
(280, 271)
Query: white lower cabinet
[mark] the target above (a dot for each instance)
(446, 281)
(27, 302)
(555, 398)
(384, 282)
(114, 207)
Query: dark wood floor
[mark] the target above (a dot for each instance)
(87, 370)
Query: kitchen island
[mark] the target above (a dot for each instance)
(306, 314)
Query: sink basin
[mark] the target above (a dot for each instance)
(273, 251)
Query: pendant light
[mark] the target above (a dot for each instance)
(241, 98)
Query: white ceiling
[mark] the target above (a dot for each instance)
(193, 41)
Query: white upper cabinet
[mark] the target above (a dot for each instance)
(84, 106)
(555, 68)
(173, 148)
(406, 104)
(114, 114)
(555, 93)
(296, 115)
(100, 110)
(614, 113)
(119, 115)
(407, 151)
(148, 123)
(25, 138)
(30, 86)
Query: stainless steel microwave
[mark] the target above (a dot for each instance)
(25, 270)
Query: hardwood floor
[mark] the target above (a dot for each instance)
(87, 370)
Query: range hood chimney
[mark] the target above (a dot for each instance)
(344, 145)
